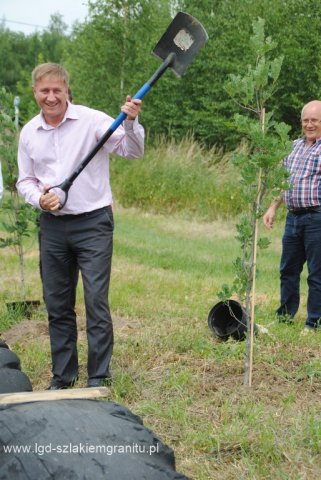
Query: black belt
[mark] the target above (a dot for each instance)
(79, 215)
(303, 210)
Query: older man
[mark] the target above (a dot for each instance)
(80, 234)
(302, 236)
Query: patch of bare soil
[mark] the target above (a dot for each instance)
(29, 330)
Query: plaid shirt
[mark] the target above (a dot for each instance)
(304, 166)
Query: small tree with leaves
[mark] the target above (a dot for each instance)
(259, 161)
(17, 218)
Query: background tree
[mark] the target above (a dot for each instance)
(20, 53)
(109, 55)
(13, 57)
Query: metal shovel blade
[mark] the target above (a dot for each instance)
(184, 36)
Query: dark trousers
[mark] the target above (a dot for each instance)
(76, 273)
(301, 243)
(69, 242)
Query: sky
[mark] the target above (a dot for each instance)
(36, 13)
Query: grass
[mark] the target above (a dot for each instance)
(172, 371)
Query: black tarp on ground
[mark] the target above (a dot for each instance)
(81, 439)
(8, 359)
(12, 380)
(3, 344)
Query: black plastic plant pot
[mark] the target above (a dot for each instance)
(24, 308)
(228, 319)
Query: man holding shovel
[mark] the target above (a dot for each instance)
(80, 234)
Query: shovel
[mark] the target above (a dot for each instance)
(178, 46)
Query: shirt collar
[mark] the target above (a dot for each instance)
(317, 141)
(70, 113)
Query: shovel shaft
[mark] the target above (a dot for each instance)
(156, 75)
(143, 90)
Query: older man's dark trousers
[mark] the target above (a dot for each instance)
(301, 243)
(68, 241)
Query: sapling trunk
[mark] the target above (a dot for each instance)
(18, 240)
(250, 293)
(22, 271)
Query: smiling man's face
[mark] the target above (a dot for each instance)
(51, 94)
(311, 121)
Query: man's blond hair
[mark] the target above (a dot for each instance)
(50, 70)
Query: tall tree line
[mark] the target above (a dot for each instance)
(109, 56)
(20, 53)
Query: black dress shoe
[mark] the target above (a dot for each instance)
(56, 385)
(99, 382)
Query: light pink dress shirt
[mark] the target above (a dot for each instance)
(47, 155)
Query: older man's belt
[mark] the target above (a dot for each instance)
(303, 210)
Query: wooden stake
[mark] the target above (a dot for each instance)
(50, 395)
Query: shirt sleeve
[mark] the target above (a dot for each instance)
(128, 140)
(27, 184)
